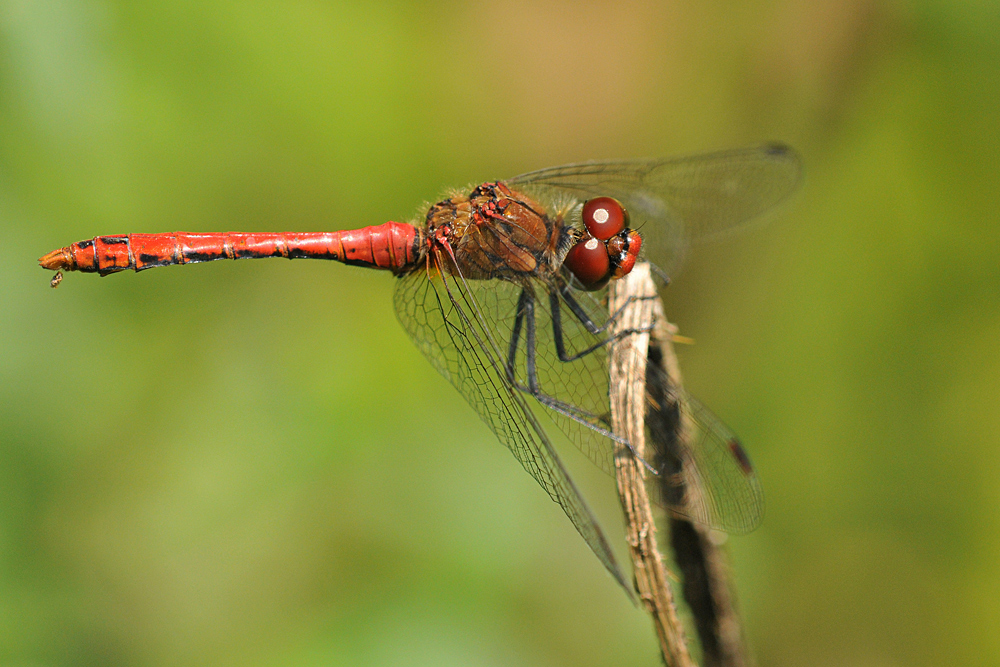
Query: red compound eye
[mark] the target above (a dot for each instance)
(604, 217)
(588, 261)
(626, 261)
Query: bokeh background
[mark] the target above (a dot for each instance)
(250, 464)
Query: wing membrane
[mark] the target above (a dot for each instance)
(456, 333)
(711, 486)
(675, 202)
(706, 476)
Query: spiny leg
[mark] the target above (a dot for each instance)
(557, 334)
(588, 324)
(515, 336)
(525, 318)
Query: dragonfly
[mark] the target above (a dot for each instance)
(503, 287)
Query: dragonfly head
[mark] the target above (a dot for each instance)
(623, 249)
(607, 249)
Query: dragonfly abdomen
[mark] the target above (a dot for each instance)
(393, 245)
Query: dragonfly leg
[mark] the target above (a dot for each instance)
(581, 315)
(587, 322)
(515, 337)
(525, 320)
(526, 317)
(585, 319)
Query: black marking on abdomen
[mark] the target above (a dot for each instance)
(251, 253)
(298, 253)
(192, 256)
(114, 240)
(149, 261)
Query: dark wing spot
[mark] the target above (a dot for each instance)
(741, 456)
(776, 148)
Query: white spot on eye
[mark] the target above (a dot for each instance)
(601, 215)
(591, 244)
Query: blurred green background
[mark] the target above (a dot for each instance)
(250, 464)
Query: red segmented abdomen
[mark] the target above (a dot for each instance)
(395, 246)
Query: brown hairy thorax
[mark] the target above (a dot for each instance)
(495, 232)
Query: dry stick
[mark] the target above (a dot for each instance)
(705, 571)
(627, 369)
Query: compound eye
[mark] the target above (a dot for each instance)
(588, 261)
(604, 217)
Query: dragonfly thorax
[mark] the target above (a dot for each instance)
(495, 232)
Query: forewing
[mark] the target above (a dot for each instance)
(458, 335)
(675, 202)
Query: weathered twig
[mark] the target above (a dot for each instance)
(642, 397)
(627, 368)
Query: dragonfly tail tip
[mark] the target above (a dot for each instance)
(56, 260)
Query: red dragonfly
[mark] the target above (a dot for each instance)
(488, 269)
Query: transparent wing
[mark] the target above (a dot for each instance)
(574, 389)
(705, 476)
(675, 202)
(458, 334)
(715, 485)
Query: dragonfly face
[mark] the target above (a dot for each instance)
(607, 248)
